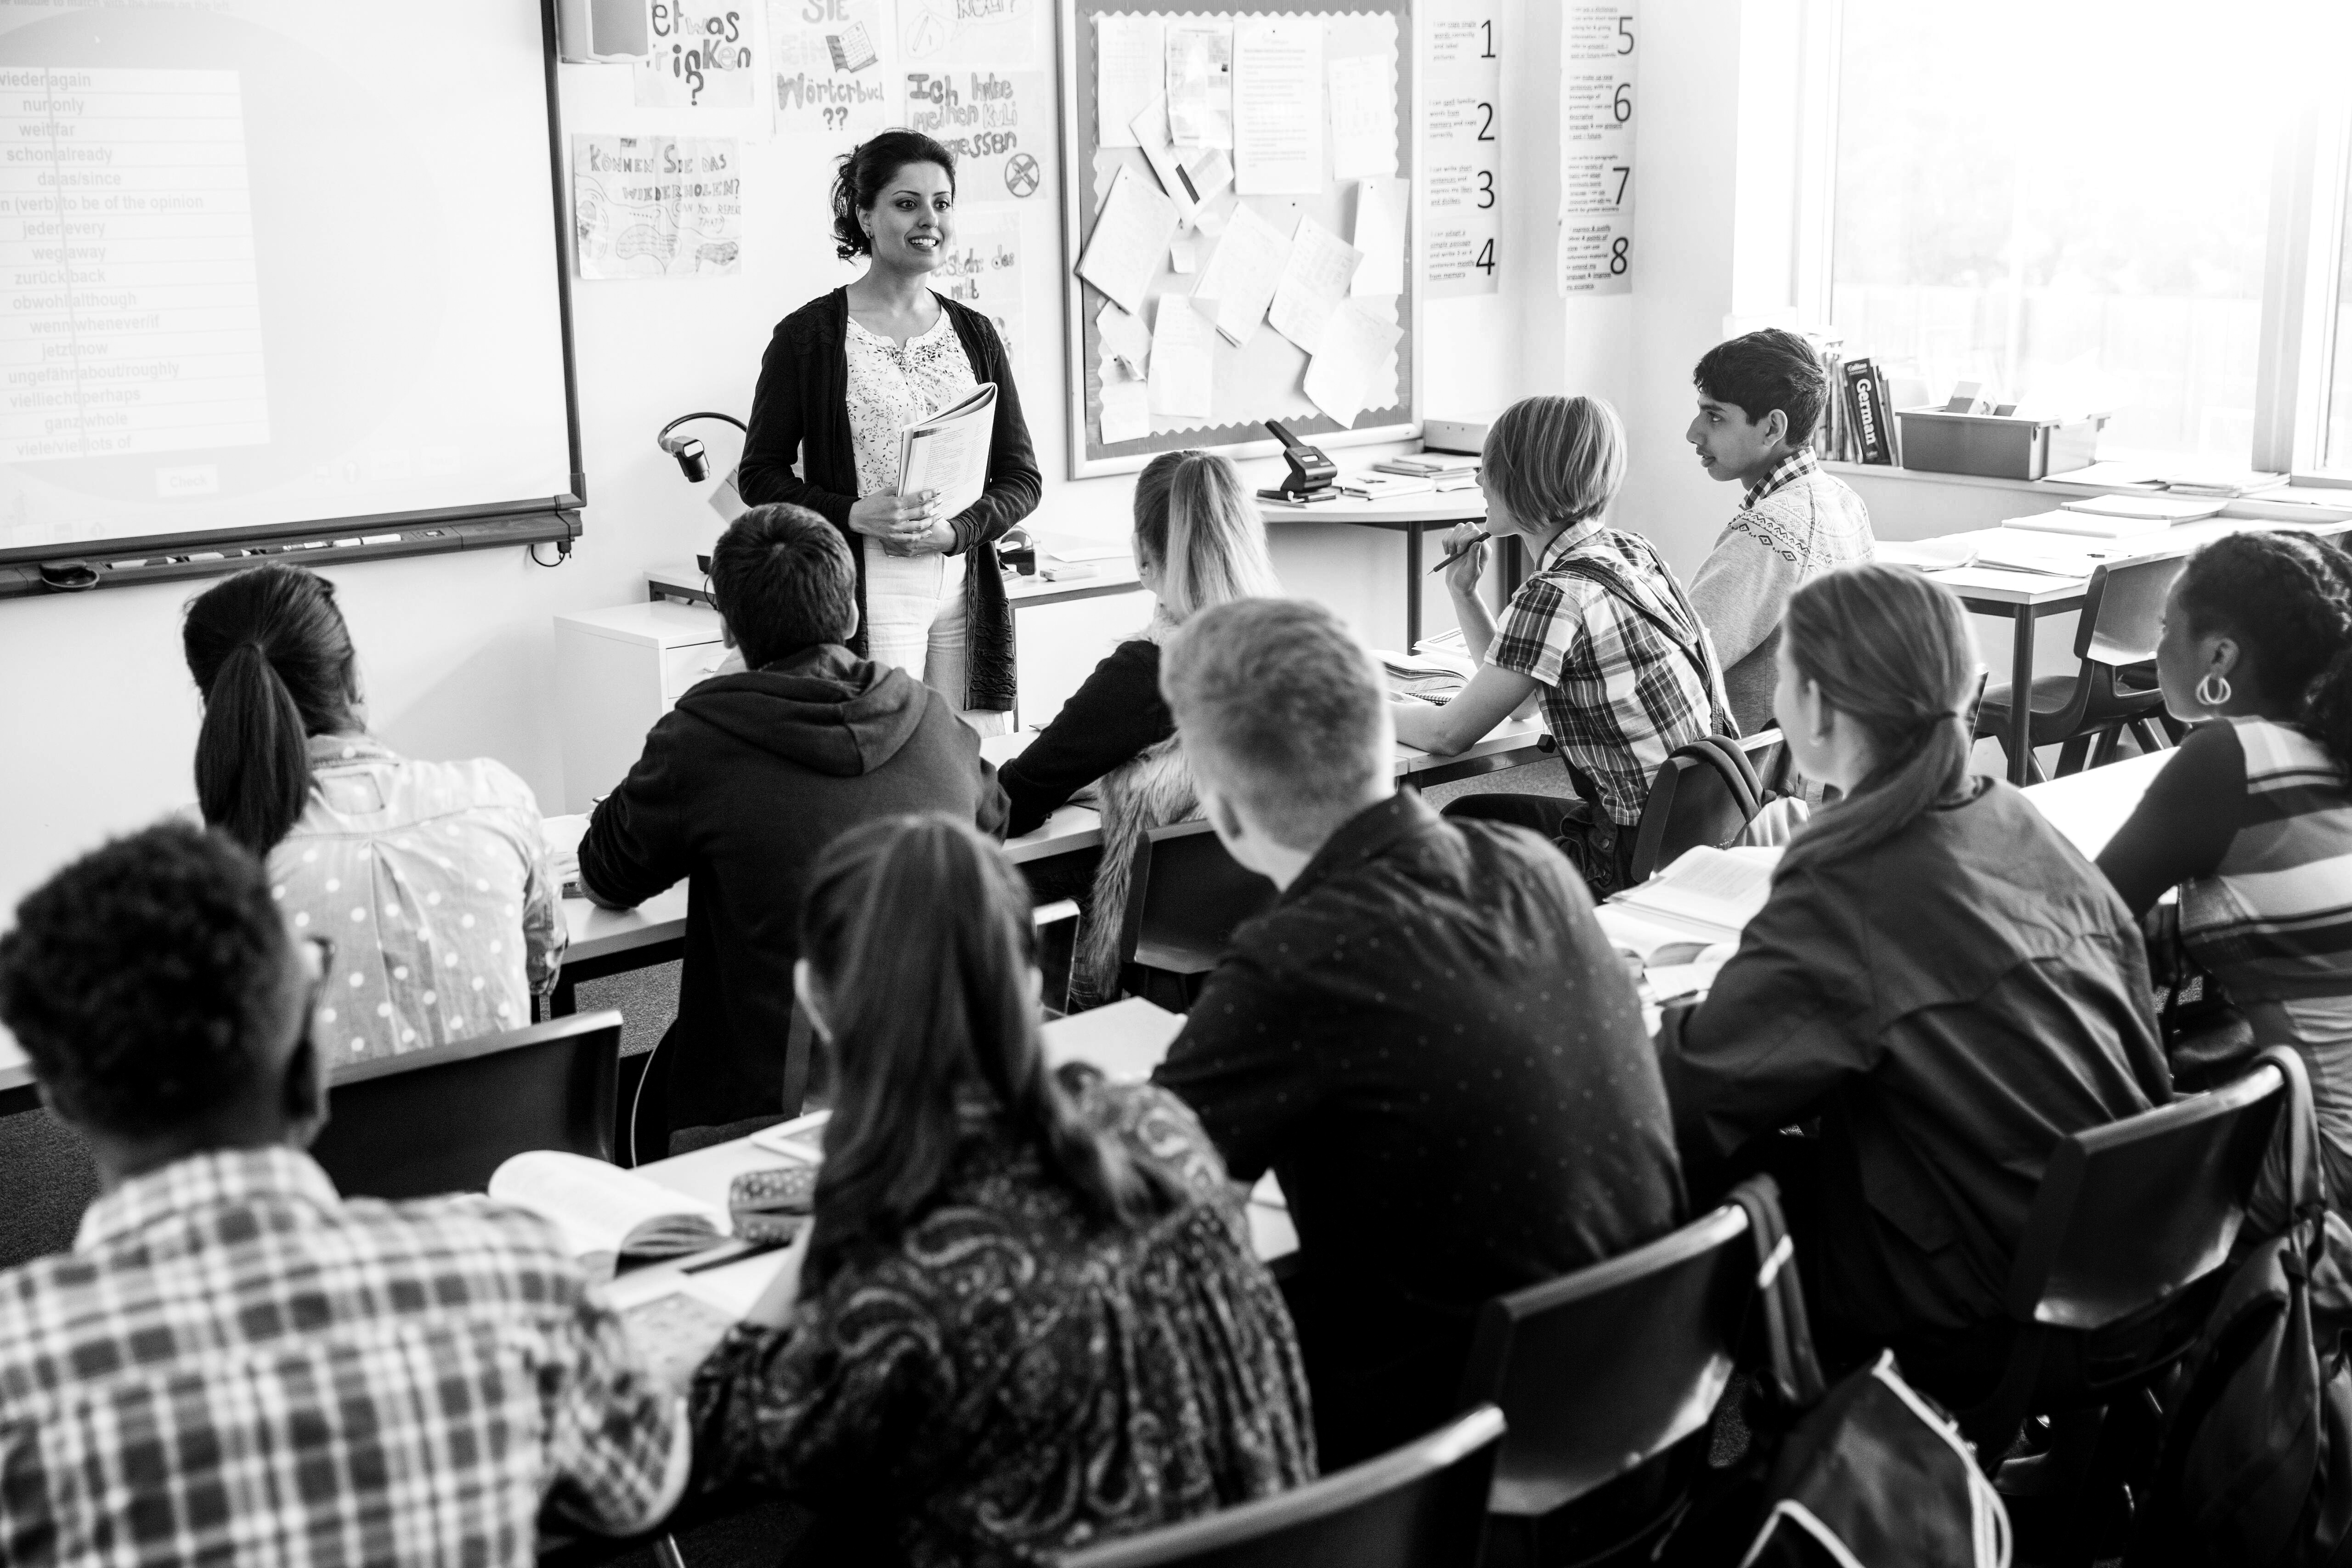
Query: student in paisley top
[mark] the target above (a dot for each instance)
(1027, 1315)
(431, 878)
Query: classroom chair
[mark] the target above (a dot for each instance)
(1184, 900)
(441, 1121)
(1420, 1506)
(2128, 1218)
(1706, 792)
(2122, 616)
(1602, 1450)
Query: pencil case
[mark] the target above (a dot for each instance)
(768, 1208)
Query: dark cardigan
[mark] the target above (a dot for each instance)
(801, 411)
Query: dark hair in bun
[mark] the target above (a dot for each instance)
(865, 169)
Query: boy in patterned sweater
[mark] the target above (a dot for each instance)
(1762, 396)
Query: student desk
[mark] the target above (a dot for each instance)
(1126, 1040)
(1413, 516)
(2024, 598)
(2089, 806)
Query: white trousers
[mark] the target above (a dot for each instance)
(916, 620)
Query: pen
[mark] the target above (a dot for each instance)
(1476, 541)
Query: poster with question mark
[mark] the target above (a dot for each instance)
(835, 71)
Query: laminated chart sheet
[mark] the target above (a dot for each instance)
(1239, 201)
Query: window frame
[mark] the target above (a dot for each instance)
(2304, 259)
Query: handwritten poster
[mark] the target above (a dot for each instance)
(983, 271)
(998, 123)
(833, 71)
(1599, 45)
(701, 57)
(656, 206)
(969, 32)
(1461, 189)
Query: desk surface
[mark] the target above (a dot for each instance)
(1390, 512)
(1984, 585)
(2089, 806)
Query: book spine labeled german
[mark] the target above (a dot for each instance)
(1865, 406)
(1890, 431)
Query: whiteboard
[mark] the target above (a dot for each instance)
(272, 263)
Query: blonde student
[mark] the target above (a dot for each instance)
(1198, 541)
(1601, 634)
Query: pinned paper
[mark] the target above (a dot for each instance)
(1184, 258)
(1000, 124)
(1210, 171)
(982, 270)
(1130, 236)
(1242, 274)
(701, 59)
(1363, 126)
(1277, 105)
(1314, 280)
(1200, 84)
(1377, 232)
(1151, 132)
(1183, 360)
(831, 78)
(1125, 412)
(1356, 348)
(1129, 340)
(1129, 72)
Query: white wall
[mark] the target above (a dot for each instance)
(98, 718)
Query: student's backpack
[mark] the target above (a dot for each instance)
(1868, 1474)
(2255, 1464)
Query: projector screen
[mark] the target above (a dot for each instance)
(273, 262)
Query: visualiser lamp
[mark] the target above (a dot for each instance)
(693, 459)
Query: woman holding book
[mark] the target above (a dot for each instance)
(1937, 976)
(843, 375)
(1027, 1315)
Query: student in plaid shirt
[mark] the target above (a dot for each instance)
(234, 1365)
(1602, 635)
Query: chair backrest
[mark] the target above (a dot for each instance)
(1421, 1506)
(2123, 608)
(442, 1120)
(1603, 1369)
(2130, 1213)
(1186, 897)
(1699, 796)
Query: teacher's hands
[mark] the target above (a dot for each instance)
(903, 524)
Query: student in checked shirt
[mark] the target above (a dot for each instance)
(234, 1366)
(1601, 634)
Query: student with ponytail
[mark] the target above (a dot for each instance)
(1198, 541)
(2251, 818)
(1939, 977)
(431, 878)
(1027, 1315)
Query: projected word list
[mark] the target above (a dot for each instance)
(133, 319)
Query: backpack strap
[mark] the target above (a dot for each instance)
(1690, 639)
(1732, 758)
(1788, 1333)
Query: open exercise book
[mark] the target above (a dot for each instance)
(948, 451)
(1687, 919)
(606, 1214)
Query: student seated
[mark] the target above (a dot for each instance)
(2251, 818)
(743, 784)
(1761, 399)
(234, 1365)
(1600, 632)
(1939, 977)
(432, 878)
(1198, 541)
(1428, 1039)
(1027, 1315)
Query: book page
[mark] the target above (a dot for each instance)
(600, 1208)
(1713, 885)
(1654, 941)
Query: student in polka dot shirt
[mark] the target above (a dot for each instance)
(432, 879)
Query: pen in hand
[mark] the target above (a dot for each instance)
(1477, 540)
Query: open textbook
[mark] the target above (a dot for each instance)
(949, 452)
(1701, 902)
(606, 1214)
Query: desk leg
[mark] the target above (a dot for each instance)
(1412, 586)
(564, 1001)
(2020, 695)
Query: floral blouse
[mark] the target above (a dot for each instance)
(1013, 1379)
(432, 880)
(891, 387)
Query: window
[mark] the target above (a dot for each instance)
(2070, 200)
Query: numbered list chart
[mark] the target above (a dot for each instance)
(133, 315)
(1599, 44)
(1462, 147)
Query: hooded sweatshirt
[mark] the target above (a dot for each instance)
(740, 788)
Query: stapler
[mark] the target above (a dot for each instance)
(1311, 472)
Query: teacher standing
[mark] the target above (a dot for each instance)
(844, 374)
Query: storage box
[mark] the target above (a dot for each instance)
(618, 671)
(1997, 446)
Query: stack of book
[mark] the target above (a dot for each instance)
(2227, 483)
(1443, 470)
(1372, 487)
